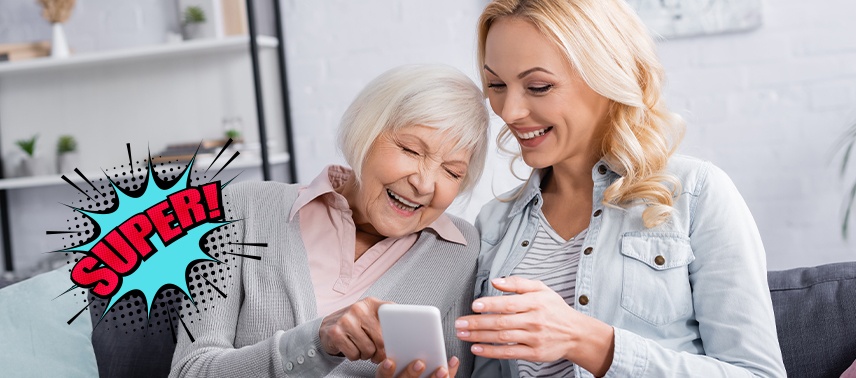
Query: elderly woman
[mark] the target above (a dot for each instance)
(354, 238)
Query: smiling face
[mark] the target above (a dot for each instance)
(409, 178)
(554, 115)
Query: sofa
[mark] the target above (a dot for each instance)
(815, 311)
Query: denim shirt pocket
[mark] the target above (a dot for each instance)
(655, 283)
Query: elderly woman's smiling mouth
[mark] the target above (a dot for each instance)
(401, 203)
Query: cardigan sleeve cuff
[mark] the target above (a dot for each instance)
(302, 353)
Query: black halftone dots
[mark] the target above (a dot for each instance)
(133, 315)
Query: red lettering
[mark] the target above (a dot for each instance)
(163, 221)
(123, 248)
(212, 199)
(138, 229)
(84, 274)
(121, 257)
(185, 203)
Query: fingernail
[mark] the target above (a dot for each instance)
(477, 349)
(441, 373)
(499, 281)
(478, 306)
(454, 361)
(418, 366)
(461, 323)
(463, 333)
(387, 364)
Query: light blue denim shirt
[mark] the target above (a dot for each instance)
(687, 298)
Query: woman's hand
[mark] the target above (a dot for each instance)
(354, 332)
(536, 325)
(415, 369)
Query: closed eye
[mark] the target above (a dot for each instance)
(453, 174)
(541, 89)
(496, 87)
(409, 151)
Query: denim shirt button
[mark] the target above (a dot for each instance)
(601, 169)
(660, 260)
(289, 366)
(588, 251)
(583, 300)
(525, 243)
(597, 212)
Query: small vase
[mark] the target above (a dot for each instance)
(59, 46)
(192, 31)
(66, 162)
(33, 166)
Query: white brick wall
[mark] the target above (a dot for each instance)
(94, 25)
(767, 106)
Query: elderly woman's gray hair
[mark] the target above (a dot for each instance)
(437, 96)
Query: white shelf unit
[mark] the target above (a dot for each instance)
(147, 96)
(241, 162)
(177, 49)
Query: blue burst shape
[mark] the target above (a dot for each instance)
(168, 265)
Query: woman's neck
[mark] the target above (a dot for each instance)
(365, 234)
(570, 178)
(567, 193)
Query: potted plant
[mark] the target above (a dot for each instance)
(234, 135)
(66, 154)
(848, 144)
(194, 17)
(31, 165)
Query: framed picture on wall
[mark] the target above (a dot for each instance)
(684, 18)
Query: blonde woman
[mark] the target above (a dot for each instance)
(617, 257)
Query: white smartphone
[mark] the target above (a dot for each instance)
(413, 332)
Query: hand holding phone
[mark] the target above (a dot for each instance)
(354, 332)
(413, 332)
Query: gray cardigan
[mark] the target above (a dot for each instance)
(267, 326)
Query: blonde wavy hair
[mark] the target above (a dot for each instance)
(610, 48)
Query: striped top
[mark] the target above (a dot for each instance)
(553, 261)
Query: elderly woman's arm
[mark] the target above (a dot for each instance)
(213, 352)
(216, 330)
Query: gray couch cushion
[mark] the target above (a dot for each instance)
(815, 312)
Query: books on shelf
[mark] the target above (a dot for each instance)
(183, 152)
(21, 51)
